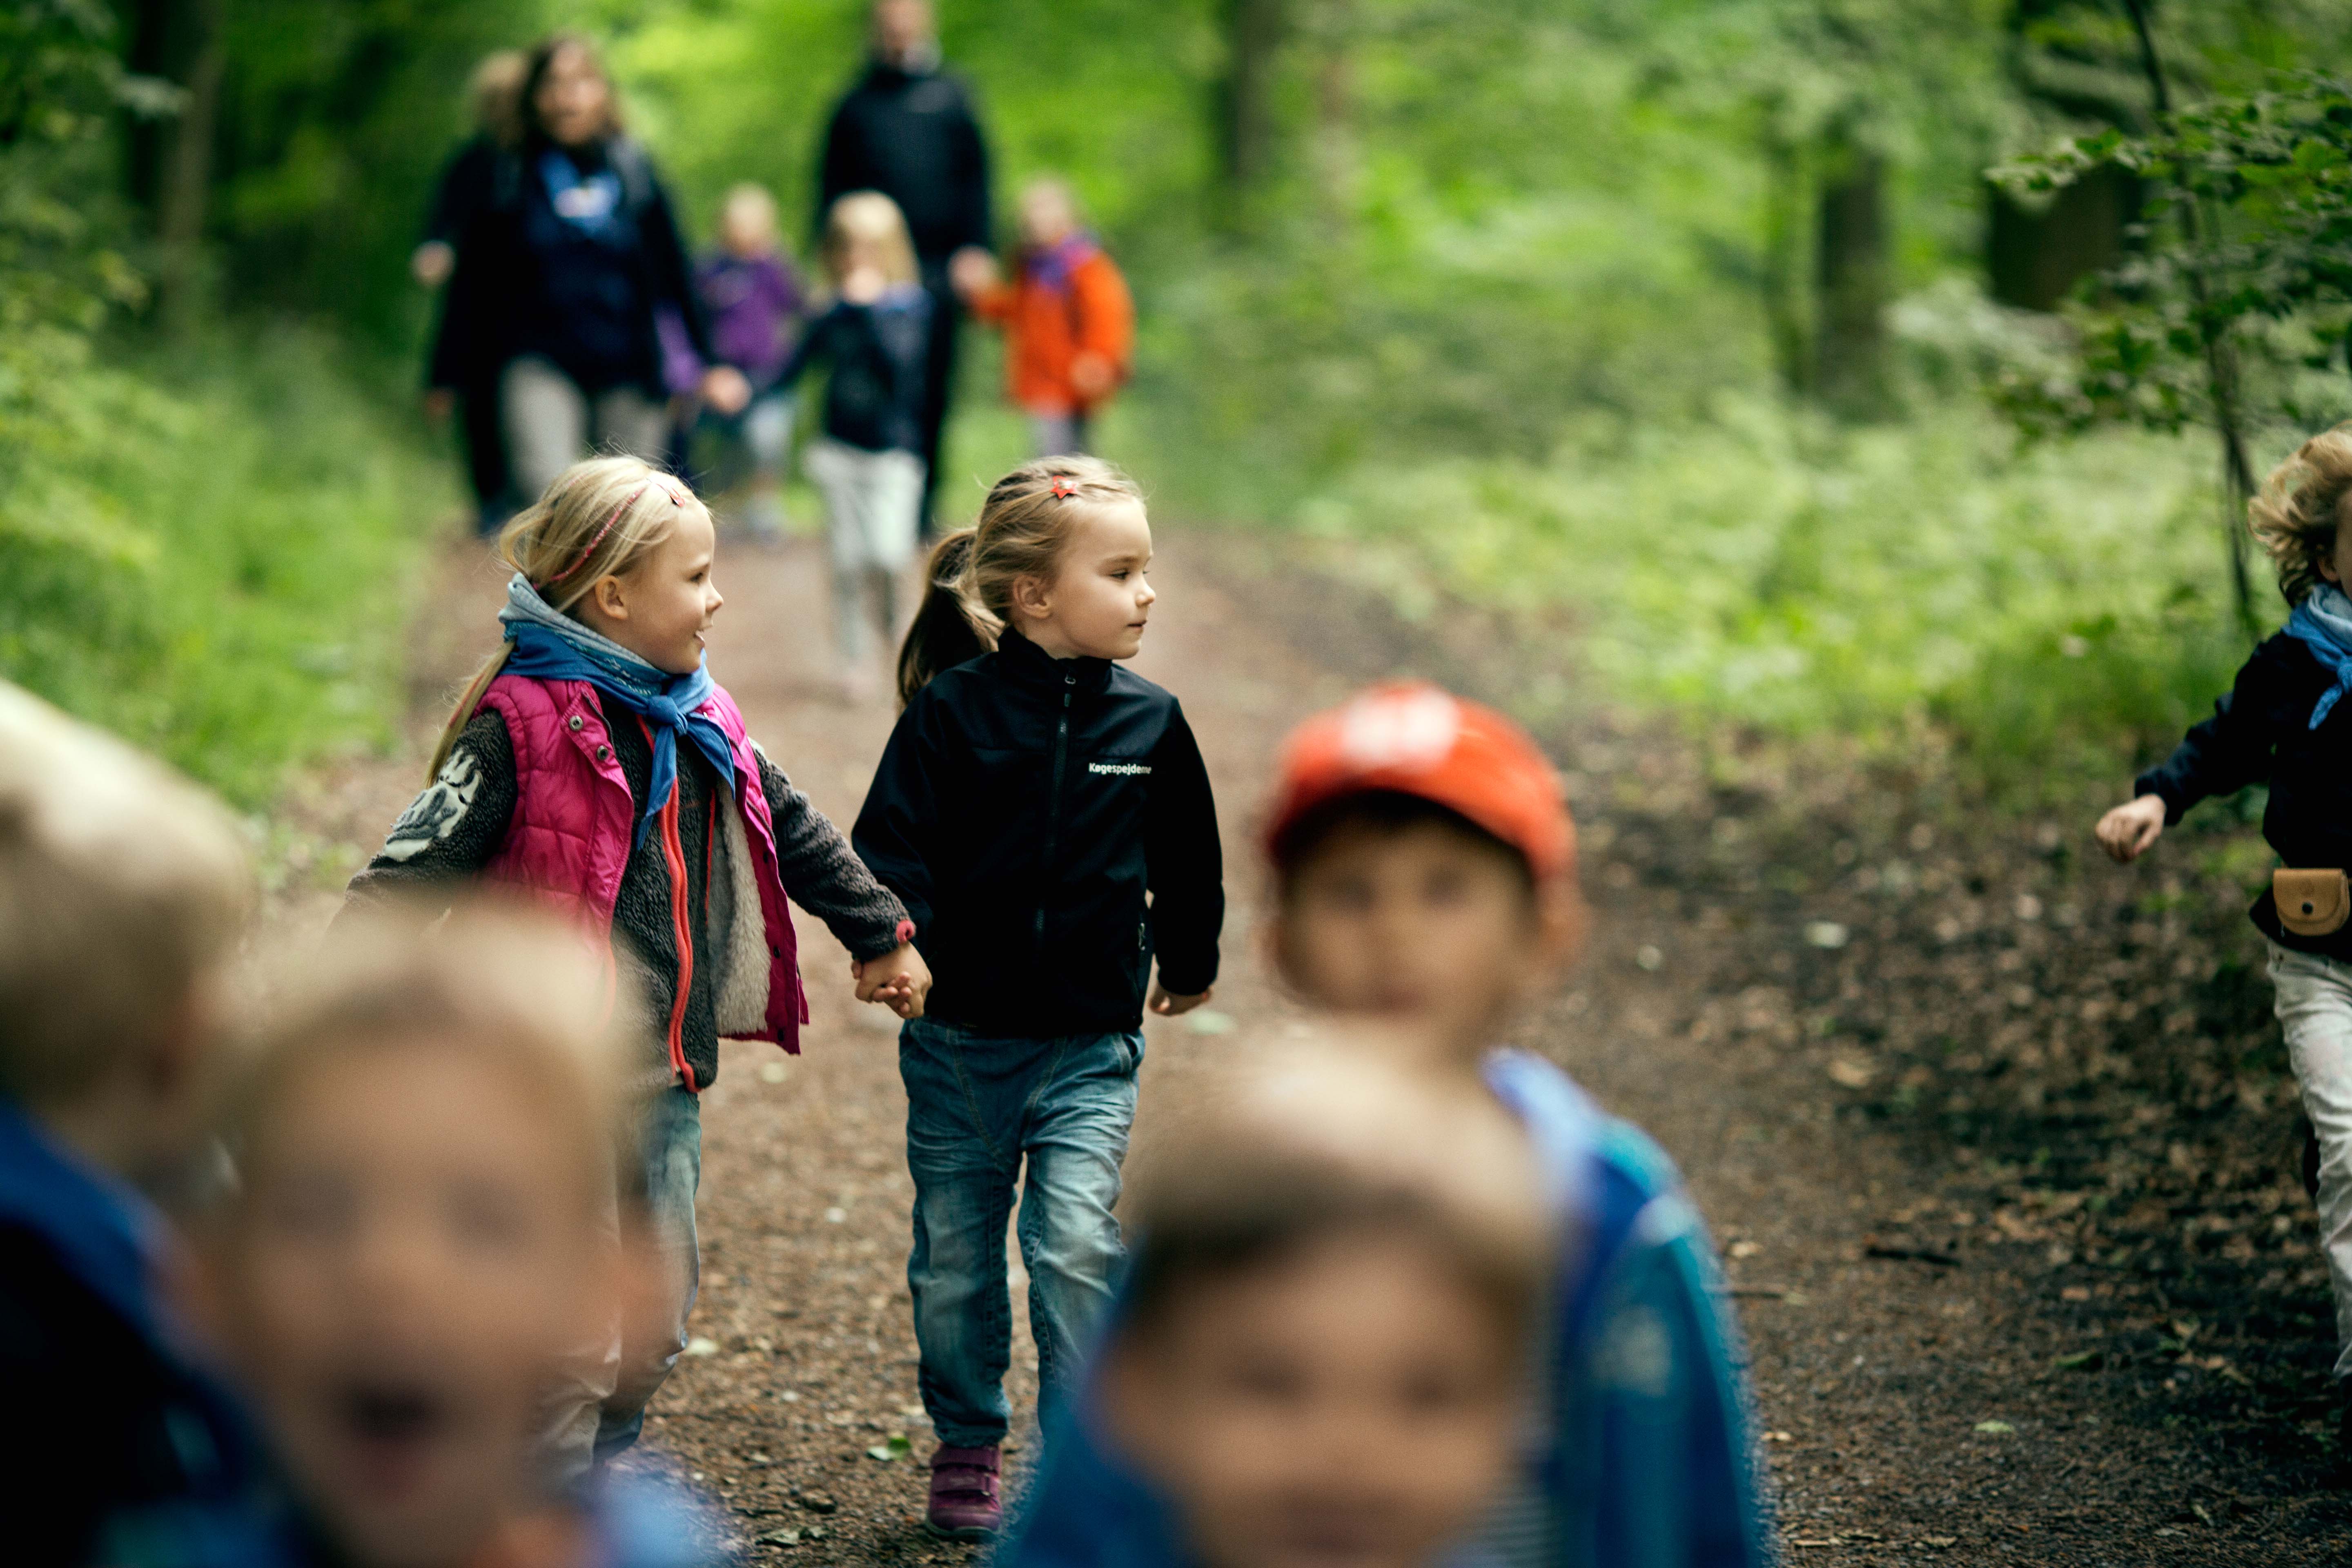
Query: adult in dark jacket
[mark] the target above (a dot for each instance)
(562, 279)
(469, 184)
(907, 129)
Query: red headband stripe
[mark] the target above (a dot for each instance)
(599, 538)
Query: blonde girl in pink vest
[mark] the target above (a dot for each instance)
(592, 765)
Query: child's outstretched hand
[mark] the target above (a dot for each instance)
(2127, 831)
(1167, 1004)
(899, 979)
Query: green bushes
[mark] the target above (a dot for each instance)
(2056, 611)
(212, 552)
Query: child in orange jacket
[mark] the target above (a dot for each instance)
(1068, 320)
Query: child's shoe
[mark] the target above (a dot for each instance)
(964, 1502)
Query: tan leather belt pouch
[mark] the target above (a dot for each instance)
(2312, 903)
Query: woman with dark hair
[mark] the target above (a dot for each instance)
(562, 279)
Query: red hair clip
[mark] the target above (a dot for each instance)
(1065, 487)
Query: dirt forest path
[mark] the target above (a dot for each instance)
(1919, 1336)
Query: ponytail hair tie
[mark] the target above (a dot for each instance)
(581, 560)
(1063, 487)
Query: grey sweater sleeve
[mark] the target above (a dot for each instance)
(452, 829)
(823, 874)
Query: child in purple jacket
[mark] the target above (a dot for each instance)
(755, 302)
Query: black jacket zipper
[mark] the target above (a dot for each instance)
(1053, 800)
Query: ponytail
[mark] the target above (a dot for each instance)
(946, 632)
(1025, 526)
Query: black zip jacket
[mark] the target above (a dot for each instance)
(911, 135)
(1023, 811)
(874, 394)
(2260, 733)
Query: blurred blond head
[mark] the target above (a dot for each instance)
(123, 891)
(421, 1237)
(865, 230)
(747, 221)
(495, 91)
(1340, 1260)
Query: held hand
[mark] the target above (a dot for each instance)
(1090, 375)
(1167, 1004)
(432, 262)
(969, 270)
(724, 388)
(899, 979)
(2127, 831)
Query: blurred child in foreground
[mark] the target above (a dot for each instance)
(1424, 868)
(123, 892)
(1069, 323)
(2282, 723)
(1322, 1353)
(755, 301)
(420, 1235)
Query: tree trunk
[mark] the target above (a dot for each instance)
(1849, 281)
(1784, 305)
(2033, 259)
(188, 170)
(1254, 35)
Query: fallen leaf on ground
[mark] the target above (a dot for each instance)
(1853, 1072)
(1209, 1021)
(700, 1345)
(1995, 1427)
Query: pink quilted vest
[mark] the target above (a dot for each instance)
(569, 839)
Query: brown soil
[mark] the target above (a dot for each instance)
(1998, 1138)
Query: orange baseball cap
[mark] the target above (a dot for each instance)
(1413, 738)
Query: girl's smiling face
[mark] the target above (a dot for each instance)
(1099, 598)
(661, 607)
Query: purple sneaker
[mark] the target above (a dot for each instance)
(965, 1504)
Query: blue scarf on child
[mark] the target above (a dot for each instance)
(2323, 622)
(551, 646)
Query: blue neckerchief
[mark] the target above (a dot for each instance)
(2323, 622)
(587, 204)
(552, 646)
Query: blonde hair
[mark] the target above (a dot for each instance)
(122, 889)
(870, 218)
(598, 518)
(2302, 505)
(756, 199)
(496, 91)
(1025, 526)
(509, 986)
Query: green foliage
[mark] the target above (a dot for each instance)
(2251, 248)
(2055, 609)
(202, 552)
(230, 582)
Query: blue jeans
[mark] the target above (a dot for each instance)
(670, 1154)
(976, 1108)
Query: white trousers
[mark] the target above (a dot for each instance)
(2314, 1009)
(872, 500)
(550, 424)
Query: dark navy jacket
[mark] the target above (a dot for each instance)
(876, 354)
(1048, 825)
(911, 134)
(2260, 733)
(133, 1457)
(1642, 1455)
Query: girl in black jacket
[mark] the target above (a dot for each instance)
(2284, 723)
(1045, 817)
